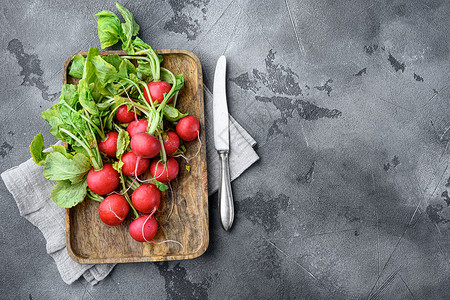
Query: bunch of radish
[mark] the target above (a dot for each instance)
(122, 129)
(147, 153)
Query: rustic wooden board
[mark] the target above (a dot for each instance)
(89, 241)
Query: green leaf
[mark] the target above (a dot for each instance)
(172, 114)
(89, 68)
(97, 90)
(36, 148)
(180, 82)
(81, 150)
(69, 94)
(63, 150)
(53, 117)
(59, 167)
(116, 60)
(113, 59)
(139, 44)
(130, 28)
(65, 194)
(105, 72)
(123, 70)
(86, 99)
(161, 186)
(130, 67)
(188, 168)
(144, 70)
(77, 66)
(118, 166)
(167, 76)
(105, 106)
(109, 29)
(123, 140)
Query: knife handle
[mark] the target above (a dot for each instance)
(226, 206)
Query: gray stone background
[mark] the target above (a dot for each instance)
(349, 103)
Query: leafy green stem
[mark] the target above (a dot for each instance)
(134, 183)
(94, 196)
(163, 151)
(142, 95)
(98, 130)
(97, 164)
(153, 64)
(175, 100)
(136, 215)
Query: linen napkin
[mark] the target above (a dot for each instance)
(31, 190)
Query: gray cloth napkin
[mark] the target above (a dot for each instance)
(31, 190)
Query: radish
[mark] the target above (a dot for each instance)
(113, 210)
(143, 229)
(137, 127)
(130, 160)
(109, 145)
(103, 181)
(146, 198)
(145, 145)
(188, 128)
(157, 90)
(171, 142)
(123, 115)
(164, 173)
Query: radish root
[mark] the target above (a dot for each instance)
(143, 225)
(128, 187)
(167, 241)
(172, 202)
(110, 209)
(196, 154)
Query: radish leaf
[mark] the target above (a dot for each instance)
(59, 167)
(123, 140)
(172, 114)
(65, 194)
(109, 29)
(118, 166)
(130, 28)
(62, 150)
(69, 94)
(105, 72)
(36, 148)
(161, 186)
(77, 66)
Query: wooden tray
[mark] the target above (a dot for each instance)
(89, 241)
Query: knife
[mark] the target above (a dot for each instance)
(222, 144)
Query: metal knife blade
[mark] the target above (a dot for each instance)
(222, 143)
(220, 107)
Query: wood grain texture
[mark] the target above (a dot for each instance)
(89, 241)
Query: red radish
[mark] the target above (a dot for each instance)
(171, 142)
(109, 145)
(143, 229)
(137, 127)
(145, 145)
(103, 181)
(123, 115)
(188, 128)
(146, 198)
(130, 160)
(157, 90)
(113, 210)
(164, 173)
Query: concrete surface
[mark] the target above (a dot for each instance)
(349, 103)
